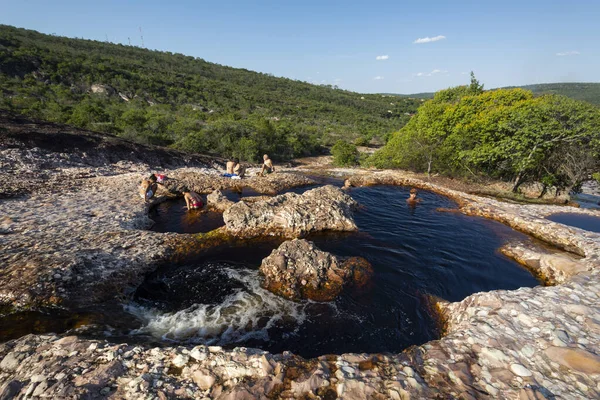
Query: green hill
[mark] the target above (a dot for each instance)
(584, 91)
(184, 102)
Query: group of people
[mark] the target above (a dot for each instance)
(193, 201)
(149, 186)
(235, 170)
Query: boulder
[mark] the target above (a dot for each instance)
(217, 201)
(325, 208)
(299, 270)
(102, 89)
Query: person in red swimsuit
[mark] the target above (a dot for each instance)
(193, 200)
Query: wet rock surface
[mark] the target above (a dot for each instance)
(73, 236)
(326, 208)
(299, 270)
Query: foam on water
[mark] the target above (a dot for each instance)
(247, 313)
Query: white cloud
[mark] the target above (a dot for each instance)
(432, 73)
(378, 78)
(381, 58)
(568, 53)
(429, 39)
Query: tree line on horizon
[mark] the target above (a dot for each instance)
(184, 102)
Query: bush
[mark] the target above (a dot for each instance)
(344, 154)
(361, 141)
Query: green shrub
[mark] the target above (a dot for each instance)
(344, 154)
(361, 141)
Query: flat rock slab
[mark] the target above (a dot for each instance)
(326, 208)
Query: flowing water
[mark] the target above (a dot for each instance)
(415, 252)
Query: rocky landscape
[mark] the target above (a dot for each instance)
(73, 233)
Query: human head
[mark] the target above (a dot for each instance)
(152, 178)
(185, 190)
(265, 157)
(413, 193)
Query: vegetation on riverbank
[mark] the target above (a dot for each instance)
(505, 134)
(184, 102)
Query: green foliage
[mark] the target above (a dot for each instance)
(344, 154)
(184, 102)
(361, 141)
(506, 134)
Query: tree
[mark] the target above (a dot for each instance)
(344, 154)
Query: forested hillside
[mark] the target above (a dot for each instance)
(584, 91)
(183, 102)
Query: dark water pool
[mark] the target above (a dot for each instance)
(173, 216)
(415, 252)
(586, 222)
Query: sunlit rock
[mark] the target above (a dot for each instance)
(291, 215)
(298, 270)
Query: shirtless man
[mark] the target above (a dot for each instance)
(230, 164)
(268, 166)
(412, 199)
(193, 200)
(148, 188)
(239, 170)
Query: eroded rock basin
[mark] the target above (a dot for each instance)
(416, 252)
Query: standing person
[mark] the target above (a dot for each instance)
(268, 166)
(193, 201)
(148, 188)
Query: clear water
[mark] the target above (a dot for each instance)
(415, 252)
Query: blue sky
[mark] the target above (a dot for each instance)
(339, 42)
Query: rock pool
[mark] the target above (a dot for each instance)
(415, 252)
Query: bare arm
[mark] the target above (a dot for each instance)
(187, 201)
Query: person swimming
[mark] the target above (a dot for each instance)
(148, 188)
(268, 166)
(193, 201)
(412, 198)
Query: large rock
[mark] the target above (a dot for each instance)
(217, 201)
(292, 215)
(298, 270)
(106, 90)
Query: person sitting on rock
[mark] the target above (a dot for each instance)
(268, 166)
(193, 201)
(239, 170)
(229, 167)
(412, 198)
(148, 188)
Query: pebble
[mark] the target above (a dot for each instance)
(520, 370)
